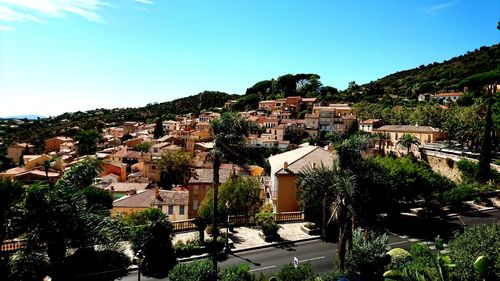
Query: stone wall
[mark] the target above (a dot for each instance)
(445, 164)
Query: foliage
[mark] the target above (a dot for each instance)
(152, 235)
(303, 272)
(408, 140)
(399, 257)
(10, 195)
(87, 141)
(265, 221)
(143, 146)
(174, 168)
(414, 180)
(81, 174)
(98, 199)
(55, 219)
(200, 270)
(108, 264)
(236, 273)
(438, 76)
(470, 172)
(481, 240)
(366, 254)
(188, 248)
(158, 131)
(456, 196)
(242, 194)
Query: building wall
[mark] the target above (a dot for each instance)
(197, 192)
(176, 216)
(286, 196)
(14, 152)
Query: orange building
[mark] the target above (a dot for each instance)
(284, 170)
(54, 144)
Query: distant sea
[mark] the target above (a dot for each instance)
(30, 117)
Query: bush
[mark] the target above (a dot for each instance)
(367, 254)
(265, 221)
(399, 257)
(200, 270)
(303, 272)
(481, 240)
(236, 273)
(456, 196)
(114, 263)
(188, 248)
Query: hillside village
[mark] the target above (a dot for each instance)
(129, 154)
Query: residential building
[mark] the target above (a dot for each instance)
(447, 97)
(268, 105)
(279, 104)
(309, 103)
(174, 204)
(31, 175)
(292, 104)
(54, 144)
(425, 134)
(120, 189)
(15, 150)
(200, 183)
(284, 170)
(206, 117)
(369, 124)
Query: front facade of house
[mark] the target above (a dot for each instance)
(425, 135)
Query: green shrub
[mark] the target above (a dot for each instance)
(399, 257)
(236, 273)
(303, 272)
(456, 196)
(465, 248)
(367, 254)
(200, 270)
(113, 263)
(188, 248)
(265, 221)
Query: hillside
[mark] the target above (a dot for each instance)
(439, 77)
(35, 131)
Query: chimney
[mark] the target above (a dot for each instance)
(285, 165)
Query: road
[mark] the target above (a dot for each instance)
(320, 254)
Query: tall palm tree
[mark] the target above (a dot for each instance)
(335, 188)
(408, 140)
(382, 139)
(229, 132)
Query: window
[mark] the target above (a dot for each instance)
(153, 167)
(195, 204)
(181, 210)
(196, 189)
(170, 209)
(429, 138)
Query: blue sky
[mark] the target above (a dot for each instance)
(60, 56)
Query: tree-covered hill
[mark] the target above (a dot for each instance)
(439, 77)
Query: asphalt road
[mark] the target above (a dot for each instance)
(320, 254)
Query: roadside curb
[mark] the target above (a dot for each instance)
(485, 209)
(274, 244)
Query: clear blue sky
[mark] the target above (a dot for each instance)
(58, 56)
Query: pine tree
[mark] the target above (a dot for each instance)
(159, 132)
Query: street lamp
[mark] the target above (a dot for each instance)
(138, 260)
(226, 246)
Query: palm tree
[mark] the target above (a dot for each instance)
(335, 188)
(382, 139)
(229, 131)
(408, 140)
